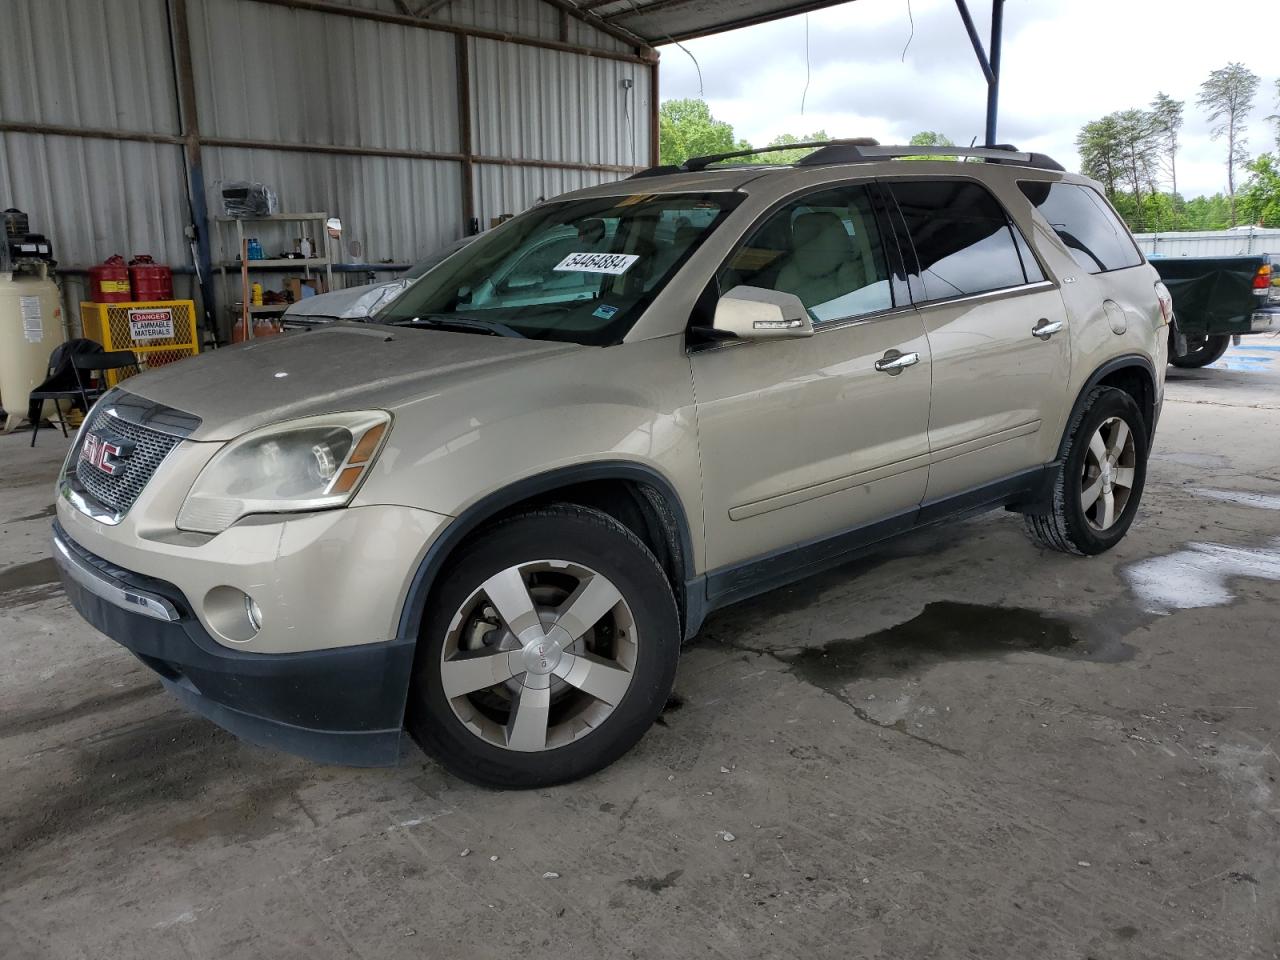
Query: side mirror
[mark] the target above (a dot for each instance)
(754, 313)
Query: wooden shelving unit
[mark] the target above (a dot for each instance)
(231, 237)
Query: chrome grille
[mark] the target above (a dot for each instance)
(119, 491)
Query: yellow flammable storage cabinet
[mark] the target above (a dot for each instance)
(158, 331)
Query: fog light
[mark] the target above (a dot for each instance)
(233, 614)
(253, 611)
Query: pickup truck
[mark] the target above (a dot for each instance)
(1216, 300)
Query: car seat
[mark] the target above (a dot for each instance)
(822, 266)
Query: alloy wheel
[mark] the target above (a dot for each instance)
(539, 655)
(1106, 483)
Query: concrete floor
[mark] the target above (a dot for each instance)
(962, 748)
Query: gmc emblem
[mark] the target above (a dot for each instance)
(108, 455)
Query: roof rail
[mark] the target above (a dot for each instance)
(697, 164)
(694, 164)
(862, 150)
(853, 153)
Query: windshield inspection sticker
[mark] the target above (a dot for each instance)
(611, 263)
(604, 311)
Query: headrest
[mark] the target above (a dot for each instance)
(821, 243)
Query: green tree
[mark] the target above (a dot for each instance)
(1138, 140)
(1260, 196)
(1227, 96)
(1167, 115)
(789, 156)
(1101, 146)
(1275, 117)
(1206, 213)
(687, 129)
(931, 138)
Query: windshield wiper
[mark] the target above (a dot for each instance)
(444, 321)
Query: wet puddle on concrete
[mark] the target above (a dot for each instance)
(947, 630)
(1199, 575)
(27, 583)
(50, 511)
(1245, 498)
(943, 631)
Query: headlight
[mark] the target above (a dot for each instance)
(308, 464)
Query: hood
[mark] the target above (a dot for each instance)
(346, 366)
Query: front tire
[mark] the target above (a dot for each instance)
(1100, 483)
(548, 649)
(1201, 351)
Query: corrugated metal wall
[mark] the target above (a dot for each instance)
(92, 65)
(268, 76)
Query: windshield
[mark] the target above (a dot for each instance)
(580, 271)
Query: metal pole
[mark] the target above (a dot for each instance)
(655, 125)
(970, 29)
(196, 191)
(993, 83)
(462, 56)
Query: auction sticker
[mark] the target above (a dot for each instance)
(151, 324)
(611, 263)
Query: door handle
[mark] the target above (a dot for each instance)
(1047, 328)
(894, 362)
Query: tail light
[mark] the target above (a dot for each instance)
(1166, 302)
(1262, 279)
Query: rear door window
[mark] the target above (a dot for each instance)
(964, 242)
(1096, 237)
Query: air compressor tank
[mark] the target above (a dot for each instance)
(30, 328)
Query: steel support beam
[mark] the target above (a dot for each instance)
(993, 84)
(638, 43)
(381, 16)
(988, 59)
(462, 56)
(197, 194)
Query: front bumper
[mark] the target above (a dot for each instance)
(340, 705)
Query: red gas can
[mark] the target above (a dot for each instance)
(151, 280)
(109, 281)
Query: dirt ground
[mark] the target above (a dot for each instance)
(963, 747)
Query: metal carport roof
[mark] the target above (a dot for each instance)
(650, 23)
(669, 21)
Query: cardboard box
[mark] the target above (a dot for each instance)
(299, 288)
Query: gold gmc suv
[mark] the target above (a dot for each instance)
(491, 514)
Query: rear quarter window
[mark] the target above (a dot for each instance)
(1097, 238)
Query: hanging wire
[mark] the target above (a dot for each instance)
(702, 94)
(912, 18)
(805, 94)
(626, 113)
(697, 66)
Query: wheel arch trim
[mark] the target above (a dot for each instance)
(1125, 361)
(474, 516)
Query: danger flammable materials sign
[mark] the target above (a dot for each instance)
(154, 323)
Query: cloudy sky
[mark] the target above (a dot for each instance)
(1065, 62)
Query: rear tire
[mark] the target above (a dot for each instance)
(1099, 485)
(548, 649)
(1201, 351)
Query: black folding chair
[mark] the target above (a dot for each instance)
(71, 369)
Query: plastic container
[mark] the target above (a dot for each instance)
(109, 281)
(151, 281)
